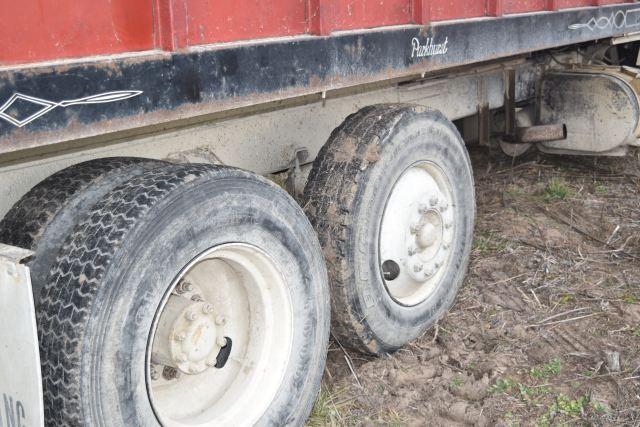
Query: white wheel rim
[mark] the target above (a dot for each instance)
(246, 298)
(416, 234)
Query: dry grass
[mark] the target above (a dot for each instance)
(550, 303)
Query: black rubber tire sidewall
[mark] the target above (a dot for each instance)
(419, 136)
(239, 208)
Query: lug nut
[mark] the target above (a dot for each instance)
(220, 320)
(197, 298)
(180, 337)
(154, 373)
(221, 341)
(433, 201)
(190, 316)
(412, 251)
(418, 268)
(207, 309)
(169, 373)
(184, 287)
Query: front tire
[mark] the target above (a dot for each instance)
(391, 196)
(117, 306)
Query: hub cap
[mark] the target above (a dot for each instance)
(416, 233)
(221, 340)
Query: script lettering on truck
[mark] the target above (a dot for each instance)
(429, 48)
(12, 412)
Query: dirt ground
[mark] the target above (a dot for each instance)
(546, 330)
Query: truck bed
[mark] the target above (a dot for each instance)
(126, 67)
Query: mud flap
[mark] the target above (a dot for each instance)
(599, 105)
(20, 377)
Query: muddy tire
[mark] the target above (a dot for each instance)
(43, 218)
(391, 196)
(178, 246)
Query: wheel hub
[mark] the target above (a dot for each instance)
(425, 241)
(416, 233)
(189, 336)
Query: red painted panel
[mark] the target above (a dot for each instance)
(351, 14)
(225, 20)
(565, 4)
(520, 6)
(34, 30)
(454, 9)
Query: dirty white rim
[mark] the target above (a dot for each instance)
(234, 291)
(416, 233)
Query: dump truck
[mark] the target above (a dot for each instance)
(196, 194)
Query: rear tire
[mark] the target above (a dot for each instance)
(102, 311)
(391, 196)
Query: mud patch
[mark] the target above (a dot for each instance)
(551, 298)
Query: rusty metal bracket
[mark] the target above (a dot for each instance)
(484, 113)
(299, 157)
(510, 103)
